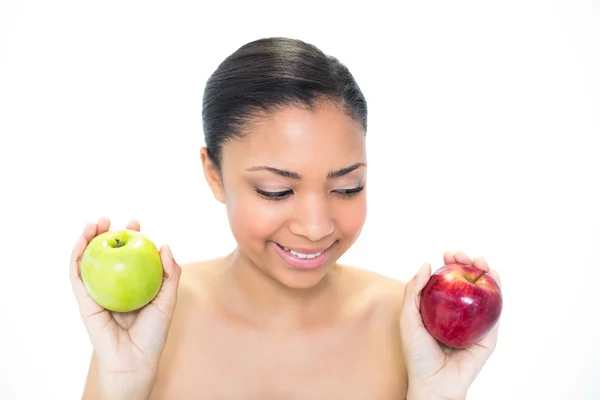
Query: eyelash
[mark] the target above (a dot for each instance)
(279, 196)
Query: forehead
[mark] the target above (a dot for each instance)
(300, 139)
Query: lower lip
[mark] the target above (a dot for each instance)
(302, 263)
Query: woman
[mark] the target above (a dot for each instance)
(278, 318)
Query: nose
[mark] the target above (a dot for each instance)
(312, 218)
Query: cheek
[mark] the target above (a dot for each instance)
(351, 216)
(252, 218)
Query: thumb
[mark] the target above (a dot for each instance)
(150, 329)
(172, 269)
(422, 354)
(172, 273)
(166, 298)
(412, 292)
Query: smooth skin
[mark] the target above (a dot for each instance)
(247, 326)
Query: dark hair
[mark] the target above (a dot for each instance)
(267, 74)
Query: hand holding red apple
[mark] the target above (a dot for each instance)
(126, 344)
(460, 305)
(447, 307)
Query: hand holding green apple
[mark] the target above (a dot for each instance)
(121, 270)
(126, 290)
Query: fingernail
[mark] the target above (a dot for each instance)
(419, 271)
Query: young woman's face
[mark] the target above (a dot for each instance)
(294, 191)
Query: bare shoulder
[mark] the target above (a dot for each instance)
(204, 266)
(384, 292)
(197, 280)
(381, 298)
(192, 271)
(194, 299)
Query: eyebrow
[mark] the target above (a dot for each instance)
(294, 175)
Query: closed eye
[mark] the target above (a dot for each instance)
(282, 195)
(349, 192)
(274, 196)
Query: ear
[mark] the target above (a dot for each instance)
(212, 175)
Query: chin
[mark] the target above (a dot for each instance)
(300, 280)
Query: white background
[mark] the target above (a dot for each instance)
(484, 136)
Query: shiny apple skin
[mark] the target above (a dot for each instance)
(457, 312)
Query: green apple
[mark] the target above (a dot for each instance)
(122, 270)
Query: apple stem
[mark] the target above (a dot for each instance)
(480, 275)
(119, 244)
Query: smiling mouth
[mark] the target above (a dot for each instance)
(305, 254)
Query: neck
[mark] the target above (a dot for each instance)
(248, 291)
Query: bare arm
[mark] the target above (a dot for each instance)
(127, 346)
(91, 389)
(101, 385)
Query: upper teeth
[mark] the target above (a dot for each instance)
(301, 255)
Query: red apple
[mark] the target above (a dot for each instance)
(460, 305)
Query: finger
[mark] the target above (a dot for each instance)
(462, 258)
(172, 269)
(91, 312)
(156, 317)
(489, 341)
(481, 351)
(424, 351)
(88, 234)
(167, 296)
(496, 277)
(412, 291)
(103, 225)
(133, 225)
(410, 318)
(449, 258)
(481, 263)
